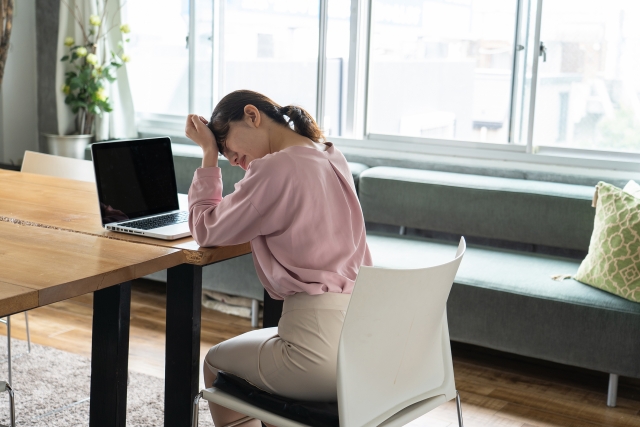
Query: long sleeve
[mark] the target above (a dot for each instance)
(237, 218)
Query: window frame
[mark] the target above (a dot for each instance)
(357, 135)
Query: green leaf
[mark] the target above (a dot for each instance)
(70, 74)
(127, 40)
(85, 75)
(75, 83)
(64, 58)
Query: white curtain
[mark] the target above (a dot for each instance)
(120, 123)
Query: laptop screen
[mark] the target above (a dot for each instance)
(135, 178)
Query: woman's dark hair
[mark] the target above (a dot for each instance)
(231, 109)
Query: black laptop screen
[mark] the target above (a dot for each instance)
(135, 178)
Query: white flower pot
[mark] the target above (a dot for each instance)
(67, 145)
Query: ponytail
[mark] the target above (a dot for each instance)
(302, 122)
(231, 109)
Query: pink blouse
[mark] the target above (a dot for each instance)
(299, 209)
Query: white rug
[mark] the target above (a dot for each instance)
(52, 389)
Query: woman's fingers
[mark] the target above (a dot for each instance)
(198, 132)
(199, 124)
(203, 120)
(189, 127)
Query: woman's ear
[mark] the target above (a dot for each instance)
(252, 115)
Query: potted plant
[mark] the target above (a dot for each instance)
(85, 81)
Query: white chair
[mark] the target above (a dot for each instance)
(4, 386)
(394, 357)
(58, 166)
(7, 321)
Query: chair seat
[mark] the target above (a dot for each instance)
(316, 414)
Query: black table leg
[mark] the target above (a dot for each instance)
(271, 312)
(182, 363)
(110, 356)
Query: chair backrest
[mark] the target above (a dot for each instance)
(394, 349)
(58, 166)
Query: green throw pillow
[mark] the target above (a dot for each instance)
(613, 262)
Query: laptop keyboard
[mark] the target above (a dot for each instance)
(158, 221)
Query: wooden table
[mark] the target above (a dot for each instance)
(69, 253)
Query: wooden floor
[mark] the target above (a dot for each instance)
(497, 389)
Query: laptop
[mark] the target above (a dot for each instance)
(137, 189)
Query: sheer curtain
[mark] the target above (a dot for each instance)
(120, 123)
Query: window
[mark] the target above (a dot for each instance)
(337, 66)
(587, 95)
(439, 75)
(159, 68)
(270, 47)
(442, 68)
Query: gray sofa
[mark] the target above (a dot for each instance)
(520, 233)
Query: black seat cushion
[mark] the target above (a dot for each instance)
(316, 414)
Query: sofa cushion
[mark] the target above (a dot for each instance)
(534, 212)
(356, 170)
(506, 300)
(613, 262)
(315, 414)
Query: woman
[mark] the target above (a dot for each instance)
(297, 205)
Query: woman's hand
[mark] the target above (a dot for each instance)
(197, 131)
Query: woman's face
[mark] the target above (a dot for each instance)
(247, 139)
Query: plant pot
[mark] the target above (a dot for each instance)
(67, 145)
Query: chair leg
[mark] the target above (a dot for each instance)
(255, 312)
(12, 406)
(26, 322)
(612, 395)
(9, 347)
(196, 408)
(459, 407)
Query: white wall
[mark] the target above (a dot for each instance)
(18, 114)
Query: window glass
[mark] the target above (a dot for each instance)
(587, 94)
(338, 39)
(203, 73)
(159, 67)
(271, 46)
(441, 68)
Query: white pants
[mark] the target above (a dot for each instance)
(298, 359)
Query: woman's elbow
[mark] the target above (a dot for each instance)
(198, 229)
(205, 234)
